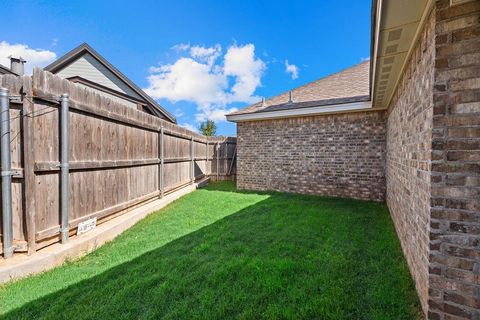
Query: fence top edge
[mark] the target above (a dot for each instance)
(53, 85)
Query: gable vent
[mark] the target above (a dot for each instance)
(388, 60)
(395, 35)
(391, 49)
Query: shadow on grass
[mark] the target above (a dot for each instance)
(288, 256)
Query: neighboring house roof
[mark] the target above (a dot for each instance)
(116, 82)
(347, 86)
(369, 85)
(5, 70)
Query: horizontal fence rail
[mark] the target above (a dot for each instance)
(114, 158)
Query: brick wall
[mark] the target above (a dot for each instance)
(409, 137)
(335, 155)
(433, 162)
(430, 138)
(455, 213)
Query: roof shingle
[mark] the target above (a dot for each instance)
(349, 85)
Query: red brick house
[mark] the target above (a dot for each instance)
(403, 128)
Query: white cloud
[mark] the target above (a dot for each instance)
(34, 57)
(200, 53)
(181, 47)
(187, 80)
(240, 62)
(179, 113)
(189, 126)
(291, 69)
(212, 84)
(208, 55)
(212, 113)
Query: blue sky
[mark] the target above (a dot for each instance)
(198, 58)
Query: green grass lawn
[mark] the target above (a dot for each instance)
(217, 253)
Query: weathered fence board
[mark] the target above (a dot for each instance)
(117, 157)
(14, 85)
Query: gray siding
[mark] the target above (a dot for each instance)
(91, 69)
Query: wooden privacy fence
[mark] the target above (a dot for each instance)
(118, 158)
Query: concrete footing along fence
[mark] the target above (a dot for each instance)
(77, 156)
(22, 265)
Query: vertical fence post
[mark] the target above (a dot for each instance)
(225, 162)
(206, 157)
(161, 175)
(6, 175)
(218, 158)
(232, 161)
(64, 166)
(192, 163)
(28, 155)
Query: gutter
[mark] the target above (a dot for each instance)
(302, 112)
(377, 10)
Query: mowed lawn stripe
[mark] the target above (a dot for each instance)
(218, 253)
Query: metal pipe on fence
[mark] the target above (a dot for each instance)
(232, 161)
(218, 159)
(192, 164)
(6, 175)
(225, 160)
(64, 167)
(206, 158)
(161, 182)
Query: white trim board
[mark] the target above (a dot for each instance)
(301, 112)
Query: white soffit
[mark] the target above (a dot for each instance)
(400, 23)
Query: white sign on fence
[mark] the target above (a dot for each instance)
(86, 226)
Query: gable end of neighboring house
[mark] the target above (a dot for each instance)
(86, 67)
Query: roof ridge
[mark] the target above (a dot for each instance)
(320, 79)
(345, 85)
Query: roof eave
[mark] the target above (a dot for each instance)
(7, 70)
(375, 27)
(301, 112)
(394, 40)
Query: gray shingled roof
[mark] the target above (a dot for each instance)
(349, 85)
(5, 70)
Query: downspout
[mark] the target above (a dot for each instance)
(64, 167)
(6, 175)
